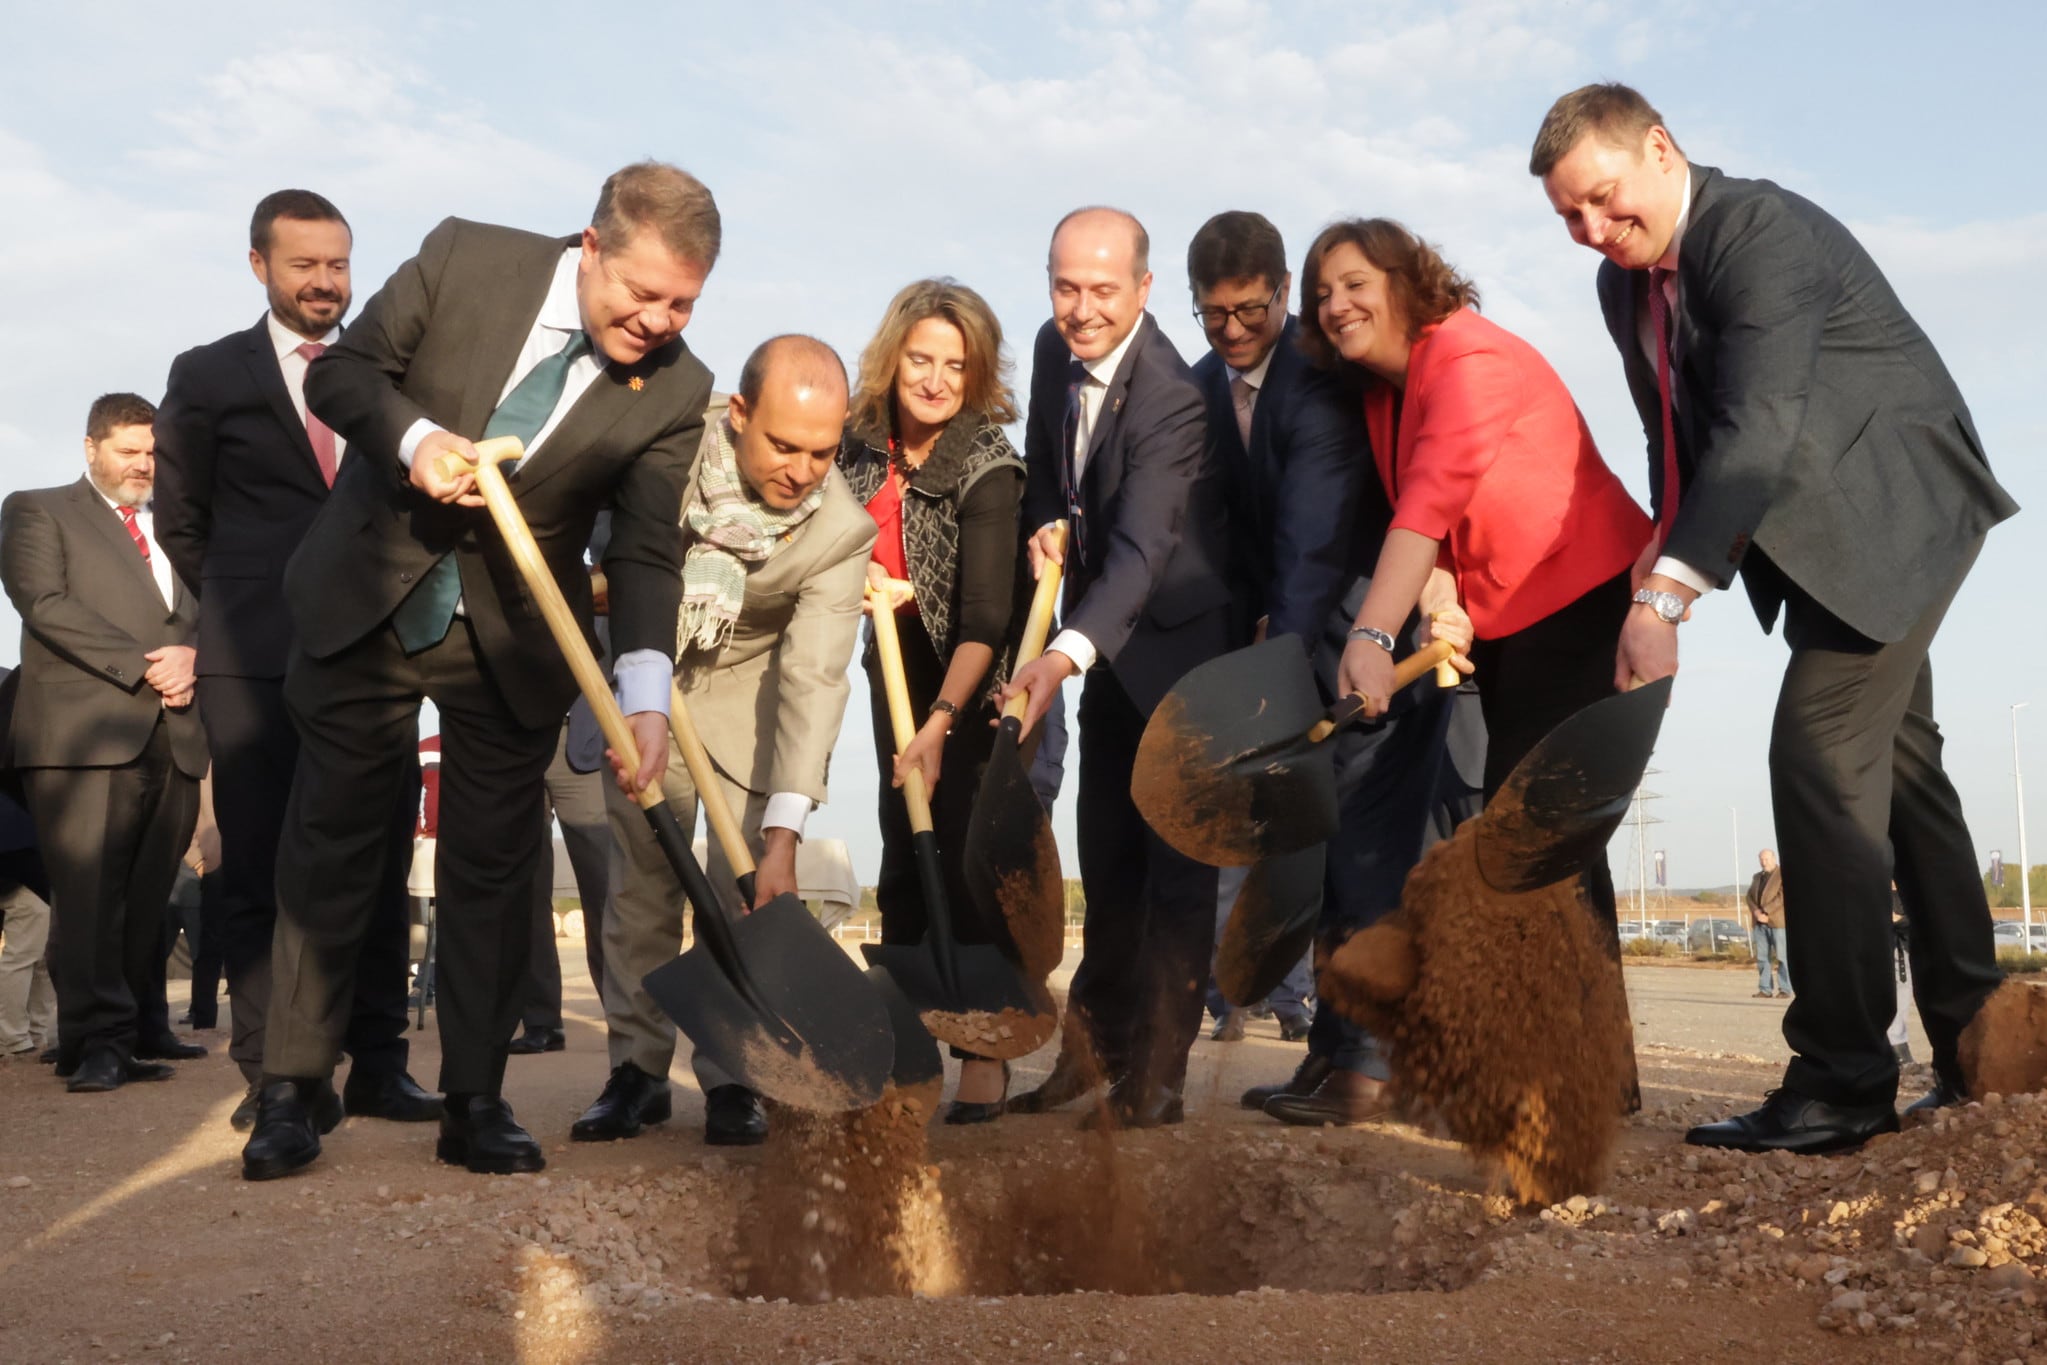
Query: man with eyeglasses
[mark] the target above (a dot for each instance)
(1307, 517)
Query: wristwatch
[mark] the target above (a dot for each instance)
(943, 707)
(1668, 606)
(1377, 637)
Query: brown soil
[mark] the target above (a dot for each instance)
(1197, 806)
(2004, 1048)
(1001, 1035)
(1513, 1028)
(1034, 908)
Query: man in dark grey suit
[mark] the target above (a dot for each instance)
(106, 738)
(404, 590)
(1803, 431)
(1118, 444)
(242, 470)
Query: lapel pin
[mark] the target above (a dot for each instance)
(636, 383)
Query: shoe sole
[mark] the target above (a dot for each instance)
(457, 1154)
(578, 1133)
(278, 1167)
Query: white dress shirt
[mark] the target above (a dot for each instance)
(159, 563)
(294, 366)
(1101, 373)
(1645, 336)
(641, 675)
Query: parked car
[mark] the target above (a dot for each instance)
(1715, 935)
(1668, 931)
(2011, 933)
(1631, 929)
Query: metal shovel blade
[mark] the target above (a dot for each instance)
(1563, 801)
(917, 1060)
(834, 1048)
(994, 1012)
(1011, 860)
(1271, 925)
(1225, 772)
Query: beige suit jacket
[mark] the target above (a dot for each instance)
(769, 710)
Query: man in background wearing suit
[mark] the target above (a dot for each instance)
(1803, 432)
(1307, 516)
(763, 669)
(107, 740)
(1118, 444)
(404, 590)
(242, 470)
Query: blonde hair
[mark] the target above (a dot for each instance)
(987, 388)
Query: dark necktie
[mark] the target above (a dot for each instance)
(1070, 467)
(1659, 320)
(134, 531)
(423, 618)
(317, 431)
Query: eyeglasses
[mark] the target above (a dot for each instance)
(1249, 316)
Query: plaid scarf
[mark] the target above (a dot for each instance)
(728, 530)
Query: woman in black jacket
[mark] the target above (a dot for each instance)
(925, 452)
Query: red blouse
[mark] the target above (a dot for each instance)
(1492, 458)
(886, 507)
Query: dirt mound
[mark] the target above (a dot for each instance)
(2004, 1048)
(1504, 1014)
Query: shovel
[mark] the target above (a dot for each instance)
(916, 1055)
(1270, 926)
(1232, 767)
(770, 998)
(1011, 860)
(972, 996)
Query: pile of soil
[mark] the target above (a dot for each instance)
(1503, 1015)
(2003, 1051)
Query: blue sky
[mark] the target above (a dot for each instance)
(856, 146)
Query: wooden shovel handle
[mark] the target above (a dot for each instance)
(554, 608)
(710, 791)
(889, 646)
(1434, 655)
(1038, 625)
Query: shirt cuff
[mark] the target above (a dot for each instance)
(408, 444)
(1074, 646)
(788, 810)
(1683, 573)
(642, 678)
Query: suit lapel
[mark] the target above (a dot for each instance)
(1111, 412)
(268, 373)
(114, 538)
(610, 396)
(527, 277)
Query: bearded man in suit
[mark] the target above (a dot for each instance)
(106, 739)
(242, 469)
(1803, 433)
(403, 590)
(772, 583)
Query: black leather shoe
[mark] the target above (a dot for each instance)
(1306, 1077)
(962, 1112)
(1791, 1122)
(1131, 1105)
(1067, 1083)
(168, 1049)
(630, 1101)
(478, 1132)
(537, 1040)
(1344, 1098)
(1946, 1094)
(1229, 1028)
(389, 1095)
(734, 1117)
(48, 1056)
(1293, 1030)
(244, 1117)
(105, 1068)
(291, 1114)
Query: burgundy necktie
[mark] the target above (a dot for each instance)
(317, 431)
(134, 532)
(1659, 319)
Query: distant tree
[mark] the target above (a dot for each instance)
(2007, 897)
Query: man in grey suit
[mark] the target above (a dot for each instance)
(772, 583)
(404, 590)
(106, 738)
(1803, 431)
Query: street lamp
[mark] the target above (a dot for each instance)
(2019, 787)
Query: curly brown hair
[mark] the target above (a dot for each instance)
(987, 388)
(1423, 286)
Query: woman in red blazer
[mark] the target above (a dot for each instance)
(1500, 500)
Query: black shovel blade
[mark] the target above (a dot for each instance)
(1562, 803)
(843, 1045)
(1225, 772)
(997, 1013)
(917, 1061)
(1011, 862)
(1270, 926)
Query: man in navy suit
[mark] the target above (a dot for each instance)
(241, 471)
(1117, 443)
(1307, 515)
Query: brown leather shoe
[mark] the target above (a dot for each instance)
(1343, 1098)
(1306, 1077)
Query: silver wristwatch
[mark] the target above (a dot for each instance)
(1669, 607)
(1377, 637)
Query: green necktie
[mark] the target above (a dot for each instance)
(423, 618)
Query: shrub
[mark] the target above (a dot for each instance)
(2016, 961)
(1648, 947)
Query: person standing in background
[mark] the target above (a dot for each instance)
(1766, 927)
